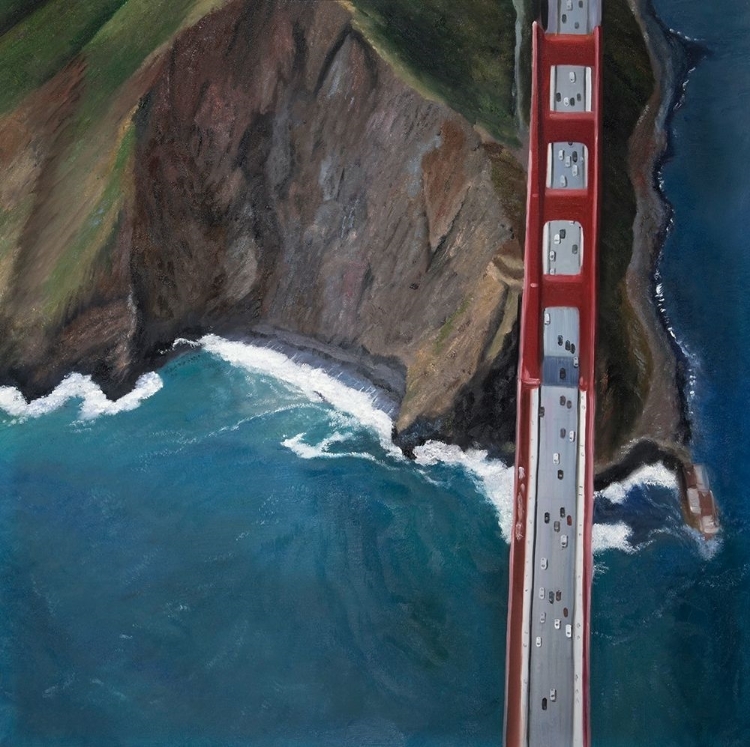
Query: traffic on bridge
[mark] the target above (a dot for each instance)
(547, 670)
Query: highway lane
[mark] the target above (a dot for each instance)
(551, 669)
(547, 671)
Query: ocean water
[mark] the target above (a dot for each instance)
(234, 560)
(670, 659)
(234, 554)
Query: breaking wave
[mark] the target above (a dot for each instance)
(651, 475)
(315, 383)
(304, 450)
(611, 537)
(76, 386)
(491, 476)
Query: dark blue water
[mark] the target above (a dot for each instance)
(670, 660)
(236, 561)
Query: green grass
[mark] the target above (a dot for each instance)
(72, 269)
(114, 37)
(37, 39)
(14, 11)
(122, 45)
(40, 45)
(462, 52)
(446, 330)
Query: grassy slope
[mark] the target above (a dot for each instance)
(114, 37)
(32, 51)
(460, 52)
(114, 54)
(13, 12)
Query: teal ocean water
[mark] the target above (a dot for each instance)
(234, 554)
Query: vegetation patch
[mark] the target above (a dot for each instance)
(461, 52)
(121, 46)
(72, 270)
(42, 42)
(449, 324)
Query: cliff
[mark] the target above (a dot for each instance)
(294, 168)
(268, 167)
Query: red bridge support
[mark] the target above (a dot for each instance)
(549, 202)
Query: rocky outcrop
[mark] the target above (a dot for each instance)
(664, 417)
(267, 172)
(282, 175)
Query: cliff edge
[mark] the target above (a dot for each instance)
(295, 169)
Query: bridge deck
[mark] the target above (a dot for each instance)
(551, 565)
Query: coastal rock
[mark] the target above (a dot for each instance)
(268, 172)
(283, 176)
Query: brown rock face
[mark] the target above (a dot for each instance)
(284, 177)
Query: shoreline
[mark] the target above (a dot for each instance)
(663, 431)
(470, 419)
(351, 370)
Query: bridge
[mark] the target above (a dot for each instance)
(547, 664)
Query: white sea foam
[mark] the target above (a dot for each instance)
(654, 475)
(79, 387)
(359, 406)
(491, 476)
(320, 451)
(314, 383)
(611, 537)
(183, 341)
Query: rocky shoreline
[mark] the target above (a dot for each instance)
(662, 433)
(324, 202)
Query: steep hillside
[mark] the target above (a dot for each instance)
(173, 168)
